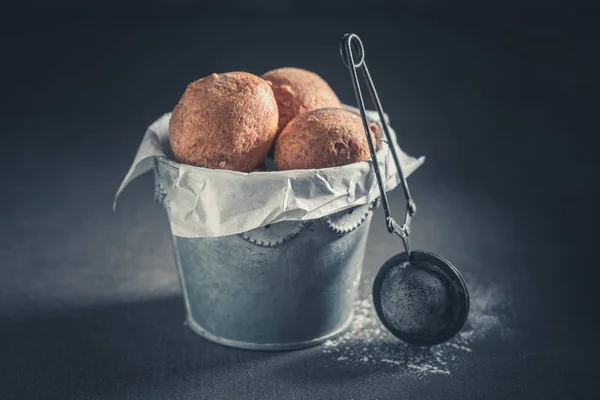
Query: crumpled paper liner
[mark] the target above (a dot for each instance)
(212, 202)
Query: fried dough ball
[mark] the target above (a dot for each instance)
(224, 121)
(322, 138)
(297, 91)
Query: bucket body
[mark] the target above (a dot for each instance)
(286, 286)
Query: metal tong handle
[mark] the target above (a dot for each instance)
(348, 58)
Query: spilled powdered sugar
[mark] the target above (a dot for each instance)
(368, 341)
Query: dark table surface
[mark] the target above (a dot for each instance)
(504, 107)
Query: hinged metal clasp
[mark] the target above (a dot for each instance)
(394, 227)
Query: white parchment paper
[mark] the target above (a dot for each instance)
(211, 202)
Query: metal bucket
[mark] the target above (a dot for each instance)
(286, 286)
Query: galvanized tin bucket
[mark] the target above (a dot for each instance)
(286, 286)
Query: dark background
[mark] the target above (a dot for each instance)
(501, 97)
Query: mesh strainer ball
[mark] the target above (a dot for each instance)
(419, 297)
(422, 301)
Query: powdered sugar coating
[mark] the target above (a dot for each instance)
(368, 341)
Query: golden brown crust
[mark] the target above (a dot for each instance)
(224, 121)
(298, 91)
(322, 138)
(376, 134)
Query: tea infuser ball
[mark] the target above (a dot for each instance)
(420, 297)
(422, 301)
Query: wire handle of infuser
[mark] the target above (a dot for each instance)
(348, 41)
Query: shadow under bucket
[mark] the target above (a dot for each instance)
(286, 286)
